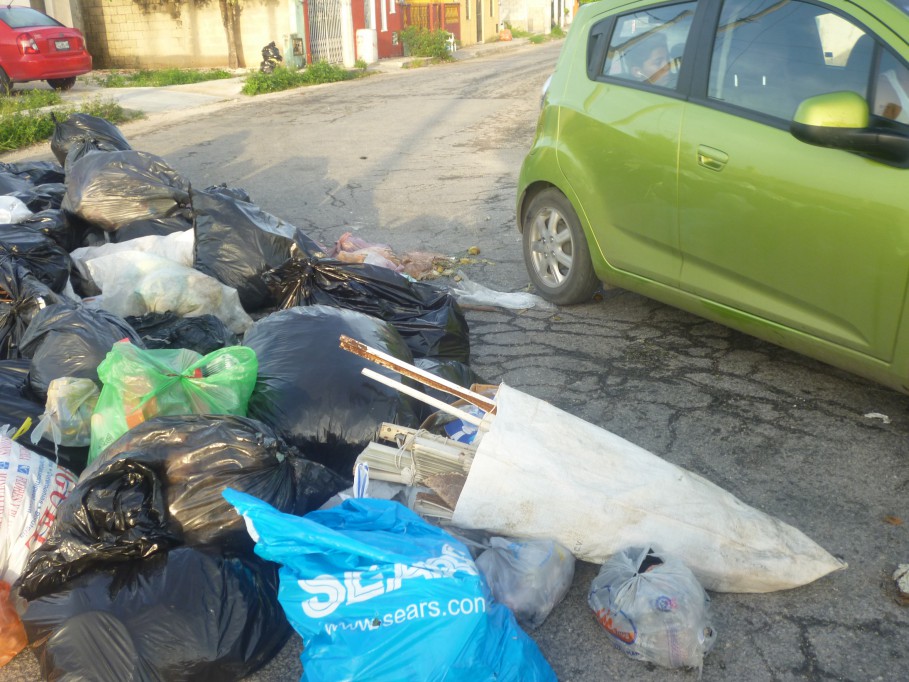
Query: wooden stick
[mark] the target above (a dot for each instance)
(417, 374)
(419, 395)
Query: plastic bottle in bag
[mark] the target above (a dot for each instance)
(653, 608)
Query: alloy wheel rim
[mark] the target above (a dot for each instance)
(551, 247)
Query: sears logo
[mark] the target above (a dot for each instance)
(351, 587)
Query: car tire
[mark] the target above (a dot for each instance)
(62, 83)
(6, 85)
(555, 250)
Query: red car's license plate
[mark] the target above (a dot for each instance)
(61, 44)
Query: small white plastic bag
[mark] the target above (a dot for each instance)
(653, 608)
(13, 210)
(528, 576)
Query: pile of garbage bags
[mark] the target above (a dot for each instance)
(182, 443)
(159, 344)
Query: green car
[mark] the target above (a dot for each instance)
(739, 159)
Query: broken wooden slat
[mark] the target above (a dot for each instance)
(415, 373)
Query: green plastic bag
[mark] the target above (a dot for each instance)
(141, 384)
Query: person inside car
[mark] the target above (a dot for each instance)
(647, 60)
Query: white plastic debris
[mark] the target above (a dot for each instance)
(471, 293)
(877, 415)
(13, 210)
(901, 576)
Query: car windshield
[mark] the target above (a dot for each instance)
(25, 17)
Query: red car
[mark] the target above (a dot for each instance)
(35, 47)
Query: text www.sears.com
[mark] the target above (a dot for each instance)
(424, 609)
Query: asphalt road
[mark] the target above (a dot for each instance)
(428, 158)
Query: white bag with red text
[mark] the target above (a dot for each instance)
(31, 488)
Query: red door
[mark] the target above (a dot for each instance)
(388, 32)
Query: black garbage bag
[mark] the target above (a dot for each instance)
(37, 253)
(313, 393)
(65, 229)
(17, 406)
(70, 341)
(116, 515)
(314, 485)
(237, 193)
(10, 183)
(196, 458)
(34, 172)
(204, 334)
(22, 296)
(42, 197)
(178, 222)
(80, 134)
(113, 189)
(237, 242)
(187, 615)
(427, 316)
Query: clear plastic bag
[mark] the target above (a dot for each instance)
(67, 415)
(653, 608)
(528, 576)
(136, 283)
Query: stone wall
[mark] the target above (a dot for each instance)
(125, 34)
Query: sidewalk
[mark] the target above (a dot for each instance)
(181, 97)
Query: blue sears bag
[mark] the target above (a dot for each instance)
(379, 594)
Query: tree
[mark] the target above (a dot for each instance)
(230, 17)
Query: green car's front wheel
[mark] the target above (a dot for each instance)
(556, 251)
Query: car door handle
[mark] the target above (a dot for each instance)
(711, 158)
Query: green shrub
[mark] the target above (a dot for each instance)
(283, 78)
(161, 77)
(27, 127)
(361, 64)
(421, 42)
(557, 32)
(24, 100)
(536, 39)
(517, 32)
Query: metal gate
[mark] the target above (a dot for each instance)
(434, 16)
(325, 31)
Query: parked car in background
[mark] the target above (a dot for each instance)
(745, 160)
(36, 47)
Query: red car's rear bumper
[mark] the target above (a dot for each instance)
(42, 67)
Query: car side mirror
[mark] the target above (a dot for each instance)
(840, 120)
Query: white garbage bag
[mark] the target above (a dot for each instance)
(13, 210)
(136, 283)
(177, 246)
(31, 488)
(540, 472)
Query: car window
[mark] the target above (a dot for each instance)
(770, 55)
(647, 47)
(891, 99)
(25, 17)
